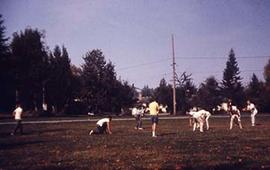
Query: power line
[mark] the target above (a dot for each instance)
(143, 64)
(221, 58)
(189, 58)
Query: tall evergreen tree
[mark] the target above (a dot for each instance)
(231, 84)
(30, 56)
(7, 89)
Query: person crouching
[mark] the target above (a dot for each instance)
(103, 126)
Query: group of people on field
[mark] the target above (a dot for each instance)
(198, 117)
(103, 125)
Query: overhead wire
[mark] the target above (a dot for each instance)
(188, 58)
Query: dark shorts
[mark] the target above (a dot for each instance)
(101, 129)
(154, 119)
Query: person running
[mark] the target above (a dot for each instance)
(103, 126)
(251, 107)
(17, 113)
(154, 109)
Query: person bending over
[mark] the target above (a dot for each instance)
(252, 108)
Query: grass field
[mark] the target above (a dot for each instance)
(68, 146)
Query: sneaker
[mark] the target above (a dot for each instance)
(140, 128)
(12, 134)
(154, 136)
(91, 132)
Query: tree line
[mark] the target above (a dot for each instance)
(211, 93)
(45, 82)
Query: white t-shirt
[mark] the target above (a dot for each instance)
(18, 113)
(251, 107)
(101, 121)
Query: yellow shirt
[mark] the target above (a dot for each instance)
(153, 108)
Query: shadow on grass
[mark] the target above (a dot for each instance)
(228, 166)
(6, 146)
(167, 134)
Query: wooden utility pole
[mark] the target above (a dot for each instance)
(174, 76)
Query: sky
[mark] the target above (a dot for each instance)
(136, 35)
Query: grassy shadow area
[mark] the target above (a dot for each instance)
(68, 146)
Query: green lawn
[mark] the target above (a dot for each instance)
(68, 146)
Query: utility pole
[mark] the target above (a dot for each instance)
(174, 76)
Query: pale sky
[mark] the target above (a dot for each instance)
(136, 34)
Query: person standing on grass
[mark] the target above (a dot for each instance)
(138, 114)
(235, 114)
(251, 107)
(103, 126)
(154, 109)
(17, 113)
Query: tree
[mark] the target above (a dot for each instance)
(147, 92)
(59, 84)
(163, 94)
(266, 74)
(209, 94)
(185, 92)
(255, 90)
(231, 84)
(266, 95)
(7, 89)
(30, 62)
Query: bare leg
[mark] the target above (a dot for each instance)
(239, 122)
(154, 125)
(231, 122)
(207, 123)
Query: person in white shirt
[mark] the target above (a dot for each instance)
(251, 107)
(17, 113)
(138, 114)
(103, 126)
(198, 119)
(235, 114)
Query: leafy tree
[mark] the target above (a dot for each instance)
(266, 73)
(93, 90)
(30, 58)
(125, 97)
(266, 95)
(209, 94)
(255, 90)
(185, 92)
(163, 94)
(7, 89)
(147, 92)
(231, 84)
(59, 84)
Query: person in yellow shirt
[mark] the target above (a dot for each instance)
(154, 109)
